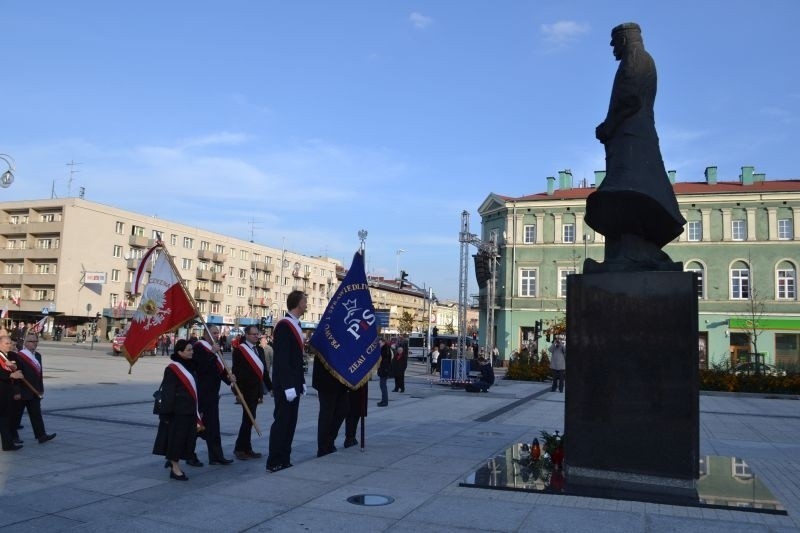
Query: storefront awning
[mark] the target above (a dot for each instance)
(789, 324)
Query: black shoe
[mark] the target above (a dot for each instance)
(167, 463)
(12, 448)
(18, 441)
(194, 462)
(181, 477)
(253, 455)
(394, 390)
(274, 468)
(46, 437)
(20, 426)
(350, 442)
(222, 461)
(383, 404)
(242, 456)
(401, 390)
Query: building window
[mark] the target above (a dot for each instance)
(568, 232)
(173, 239)
(13, 219)
(215, 307)
(787, 282)
(216, 286)
(45, 268)
(738, 230)
(186, 264)
(205, 245)
(243, 254)
(45, 244)
(41, 294)
(527, 282)
(119, 228)
(529, 233)
(114, 274)
(228, 309)
(562, 281)
(220, 249)
(201, 306)
(188, 242)
(785, 230)
(113, 299)
(137, 231)
(740, 283)
(47, 217)
(694, 230)
(229, 290)
(697, 268)
(117, 250)
(240, 291)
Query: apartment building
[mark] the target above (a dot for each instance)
(742, 237)
(73, 260)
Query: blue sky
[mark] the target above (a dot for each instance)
(320, 118)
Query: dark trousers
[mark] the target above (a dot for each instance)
(212, 435)
(243, 441)
(6, 431)
(400, 380)
(281, 434)
(34, 407)
(333, 408)
(558, 380)
(384, 390)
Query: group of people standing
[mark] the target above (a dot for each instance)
(21, 388)
(189, 394)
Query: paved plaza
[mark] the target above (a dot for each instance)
(99, 474)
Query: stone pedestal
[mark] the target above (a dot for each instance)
(631, 419)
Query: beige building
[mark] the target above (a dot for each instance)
(73, 259)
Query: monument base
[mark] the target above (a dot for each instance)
(632, 402)
(636, 483)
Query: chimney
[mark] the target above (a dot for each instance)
(760, 177)
(598, 177)
(564, 179)
(747, 175)
(711, 175)
(550, 183)
(671, 174)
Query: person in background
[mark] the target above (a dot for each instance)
(178, 416)
(558, 362)
(433, 357)
(384, 369)
(399, 365)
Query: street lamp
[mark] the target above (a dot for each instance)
(7, 178)
(400, 251)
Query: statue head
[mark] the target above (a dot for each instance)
(623, 35)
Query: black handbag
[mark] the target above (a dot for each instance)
(157, 404)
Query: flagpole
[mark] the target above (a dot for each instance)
(236, 390)
(362, 235)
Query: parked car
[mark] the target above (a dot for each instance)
(750, 369)
(119, 340)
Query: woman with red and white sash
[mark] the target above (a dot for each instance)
(179, 418)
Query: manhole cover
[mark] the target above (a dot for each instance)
(370, 499)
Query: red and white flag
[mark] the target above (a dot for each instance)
(164, 307)
(16, 300)
(39, 326)
(4, 312)
(138, 275)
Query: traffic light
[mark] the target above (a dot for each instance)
(403, 276)
(435, 331)
(537, 329)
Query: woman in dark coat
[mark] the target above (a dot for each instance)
(399, 365)
(178, 414)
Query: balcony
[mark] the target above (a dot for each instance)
(203, 273)
(205, 255)
(202, 295)
(36, 253)
(138, 241)
(218, 276)
(263, 284)
(128, 287)
(38, 279)
(219, 257)
(260, 265)
(216, 297)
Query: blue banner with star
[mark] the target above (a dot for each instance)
(346, 338)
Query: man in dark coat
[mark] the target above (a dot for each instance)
(8, 372)
(252, 373)
(288, 381)
(333, 406)
(210, 374)
(29, 361)
(635, 206)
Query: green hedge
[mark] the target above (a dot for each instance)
(527, 367)
(720, 380)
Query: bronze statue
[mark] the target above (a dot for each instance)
(634, 207)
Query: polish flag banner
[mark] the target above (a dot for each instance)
(165, 306)
(39, 326)
(138, 275)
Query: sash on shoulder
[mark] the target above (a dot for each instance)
(31, 360)
(293, 328)
(218, 359)
(253, 360)
(188, 382)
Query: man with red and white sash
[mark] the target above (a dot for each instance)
(251, 371)
(210, 374)
(287, 380)
(29, 361)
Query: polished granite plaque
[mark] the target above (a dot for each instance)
(631, 406)
(724, 483)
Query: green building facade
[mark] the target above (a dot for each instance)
(742, 237)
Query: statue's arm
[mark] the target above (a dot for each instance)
(625, 101)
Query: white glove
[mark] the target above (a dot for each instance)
(291, 395)
(304, 389)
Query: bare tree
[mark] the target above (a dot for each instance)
(755, 311)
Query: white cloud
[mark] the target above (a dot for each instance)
(562, 33)
(221, 138)
(419, 20)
